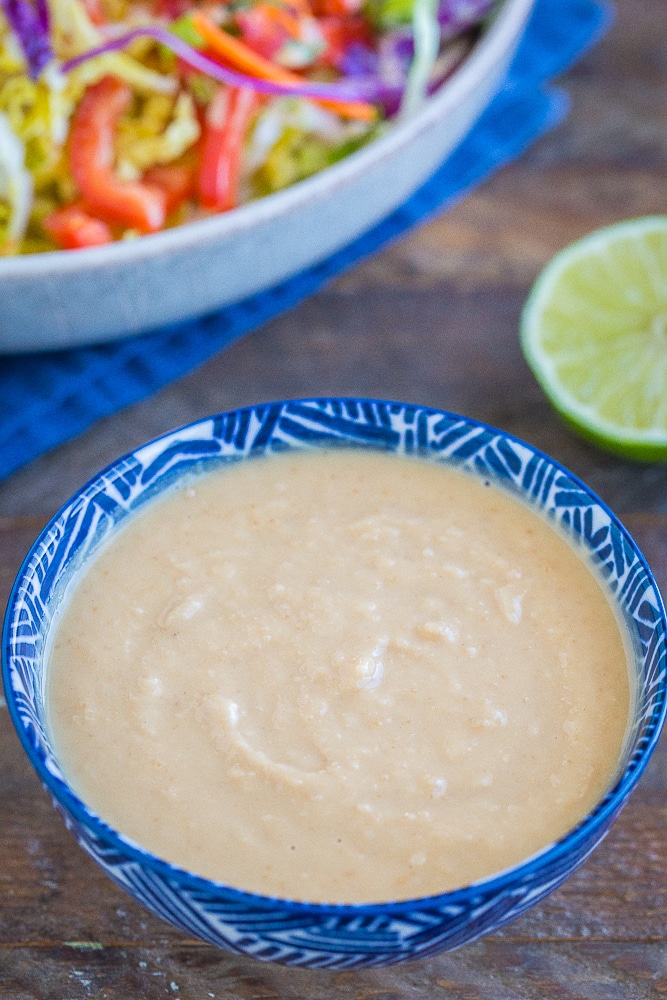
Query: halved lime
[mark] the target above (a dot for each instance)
(594, 332)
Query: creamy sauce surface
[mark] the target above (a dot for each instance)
(339, 676)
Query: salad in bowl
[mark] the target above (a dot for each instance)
(121, 118)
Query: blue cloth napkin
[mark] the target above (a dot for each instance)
(50, 398)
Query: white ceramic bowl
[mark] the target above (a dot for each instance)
(66, 299)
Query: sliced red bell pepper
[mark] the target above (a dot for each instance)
(72, 228)
(260, 31)
(336, 8)
(171, 10)
(176, 180)
(91, 152)
(227, 120)
(94, 11)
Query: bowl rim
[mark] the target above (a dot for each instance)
(576, 839)
(505, 27)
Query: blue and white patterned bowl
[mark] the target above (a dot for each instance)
(305, 934)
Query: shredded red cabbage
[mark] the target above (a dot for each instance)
(359, 60)
(360, 89)
(388, 66)
(30, 25)
(457, 16)
(43, 16)
(378, 78)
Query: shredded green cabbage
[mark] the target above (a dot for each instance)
(15, 187)
(426, 35)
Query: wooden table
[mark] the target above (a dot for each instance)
(434, 320)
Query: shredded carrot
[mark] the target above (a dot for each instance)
(241, 57)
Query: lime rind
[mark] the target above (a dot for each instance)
(594, 333)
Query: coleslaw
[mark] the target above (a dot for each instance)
(119, 118)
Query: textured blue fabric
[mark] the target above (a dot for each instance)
(50, 398)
